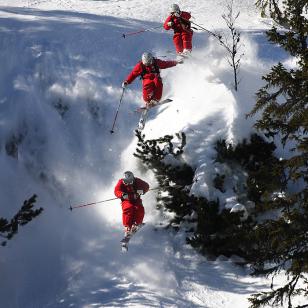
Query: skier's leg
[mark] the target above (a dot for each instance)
(178, 43)
(187, 41)
(139, 214)
(158, 92)
(128, 216)
(148, 88)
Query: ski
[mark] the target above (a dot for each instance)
(144, 113)
(127, 237)
(165, 101)
(180, 56)
(143, 117)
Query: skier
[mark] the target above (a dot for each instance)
(179, 22)
(129, 189)
(149, 71)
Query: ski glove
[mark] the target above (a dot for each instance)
(140, 192)
(124, 84)
(125, 196)
(130, 196)
(170, 24)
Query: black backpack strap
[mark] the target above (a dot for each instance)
(135, 186)
(143, 70)
(156, 69)
(185, 22)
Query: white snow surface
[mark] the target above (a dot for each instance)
(72, 53)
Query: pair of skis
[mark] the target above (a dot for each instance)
(128, 236)
(145, 110)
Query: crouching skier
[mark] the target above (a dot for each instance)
(129, 189)
(149, 71)
(179, 22)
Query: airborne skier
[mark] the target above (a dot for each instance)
(129, 189)
(179, 21)
(149, 71)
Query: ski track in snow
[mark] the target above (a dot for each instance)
(71, 54)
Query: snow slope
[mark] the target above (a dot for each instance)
(62, 63)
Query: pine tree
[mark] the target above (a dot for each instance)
(256, 157)
(8, 229)
(265, 175)
(212, 231)
(172, 178)
(283, 242)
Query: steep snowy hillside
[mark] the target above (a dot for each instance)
(62, 64)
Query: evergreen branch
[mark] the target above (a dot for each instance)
(277, 296)
(9, 229)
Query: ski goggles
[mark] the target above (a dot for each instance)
(128, 182)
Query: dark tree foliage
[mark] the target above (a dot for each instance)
(219, 182)
(283, 104)
(264, 176)
(171, 179)
(283, 100)
(220, 232)
(256, 157)
(284, 245)
(8, 229)
(212, 229)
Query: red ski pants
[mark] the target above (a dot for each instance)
(183, 40)
(152, 89)
(132, 213)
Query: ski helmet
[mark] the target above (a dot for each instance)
(147, 58)
(128, 178)
(174, 8)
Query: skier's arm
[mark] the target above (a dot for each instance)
(165, 64)
(142, 186)
(117, 190)
(137, 70)
(166, 26)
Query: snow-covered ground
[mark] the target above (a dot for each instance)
(62, 64)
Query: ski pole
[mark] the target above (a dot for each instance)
(93, 203)
(140, 31)
(208, 31)
(87, 204)
(116, 115)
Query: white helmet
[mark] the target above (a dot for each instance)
(128, 178)
(147, 58)
(174, 8)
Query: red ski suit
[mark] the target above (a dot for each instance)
(182, 37)
(132, 208)
(152, 86)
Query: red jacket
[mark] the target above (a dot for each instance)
(149, 72)
(131, 191)
(180, 24)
